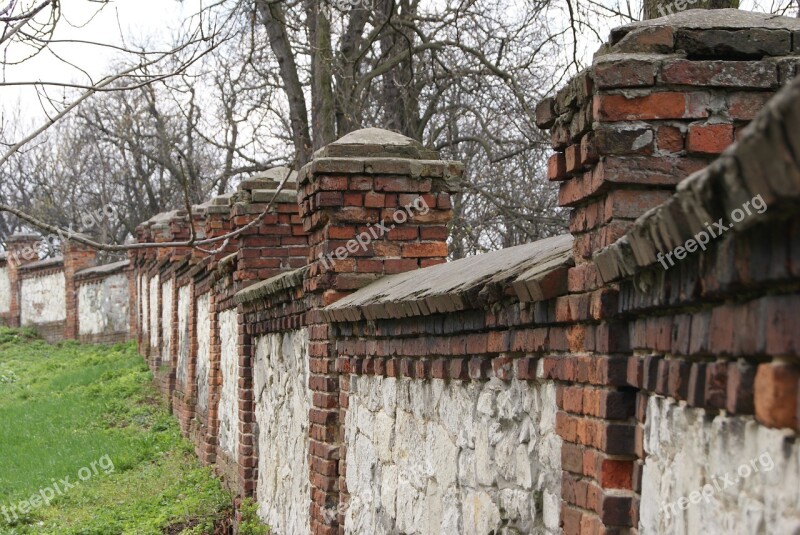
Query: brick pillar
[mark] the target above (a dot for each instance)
(649, 113)
(373, 203)
(276, 244)
(4, 316)
(76, 257)
(659, 103)
(22, 248)
(139, 264)
(217, 222)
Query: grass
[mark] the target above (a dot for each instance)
(72, 411)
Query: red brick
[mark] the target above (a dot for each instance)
(572, 457)
(745, 106)
(403, 233)
(434, 233)
(776, 399)
(588, 150)
(499, 342)
(678, 380)
(353, 199)
(557, 167)
(720, 73)
(424, 250)
(626, 73)
(669, 139)
(741, 379)
(440, 369)
(399, 265)
(709, 138)
(572, 157)
(526, 369)
(667, 105)
(374, 200)
(479, 367)
(716, 383)
(459, 369)
(614, 474)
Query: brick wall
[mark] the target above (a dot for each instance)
(545, 388)
(65, 297)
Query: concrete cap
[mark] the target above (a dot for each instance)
(23, 237)
(707, 19)
(376, 143)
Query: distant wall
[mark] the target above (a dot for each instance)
(42, 299)
(5, 291)
(103, 309)
(66, 297)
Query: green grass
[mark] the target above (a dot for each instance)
(64, 407)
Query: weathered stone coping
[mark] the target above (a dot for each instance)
(528, 272)
(271, 286)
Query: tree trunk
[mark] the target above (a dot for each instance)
(654, 9)
(275, 25)
(400, 100)
(323, 120)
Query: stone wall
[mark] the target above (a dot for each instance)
(727, 472)
(153, 314)
(203, 351)
(66, 297)
(451, 457)
(229, 396)
(184, 308)
(5, 291)
(575, 384)
(143, 301)
(42, 299)
(103, 308)
(282, 401)
(167, 299)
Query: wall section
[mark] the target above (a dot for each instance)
(203, 351)
(283, 400)
(184, 305)
(42, 299)
(705, 472)
(103, 306)
(433, 457)
(5, 291)
(229, 397)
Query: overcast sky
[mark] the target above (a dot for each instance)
(137, 21)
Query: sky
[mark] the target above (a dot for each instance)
(134, 22)
(119, 22)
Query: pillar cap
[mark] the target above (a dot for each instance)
(376, 143)
(270, 179)
(23, 237)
